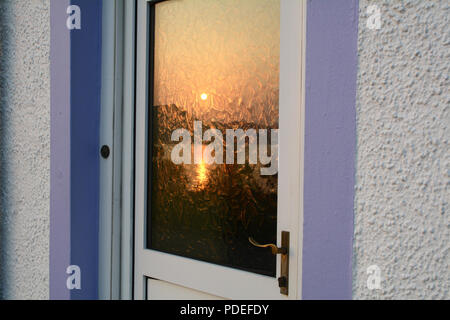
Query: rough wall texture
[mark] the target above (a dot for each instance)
(401, 205)
(24, 148)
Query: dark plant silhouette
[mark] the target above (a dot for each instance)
(212, 219)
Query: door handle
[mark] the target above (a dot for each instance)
(283, 280)
(274, 248)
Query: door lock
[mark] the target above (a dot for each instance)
(283, 280)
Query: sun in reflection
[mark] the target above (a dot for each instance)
(202, 174)
(204, 96)
(199, 172)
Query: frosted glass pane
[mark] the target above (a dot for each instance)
(215, 61)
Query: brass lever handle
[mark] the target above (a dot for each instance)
(274, 248)
(283, 280)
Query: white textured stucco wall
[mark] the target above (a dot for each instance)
(403, 169)
(24, 148)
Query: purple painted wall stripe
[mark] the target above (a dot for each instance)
(330, 146)
(85, 88)
(60, 151)
(75, 129)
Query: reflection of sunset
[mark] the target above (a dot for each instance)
(219, 62)
(202, 176)
(216, 62)
(199, 174)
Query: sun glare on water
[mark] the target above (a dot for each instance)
(202, 173)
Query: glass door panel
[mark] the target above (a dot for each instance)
(213, 127)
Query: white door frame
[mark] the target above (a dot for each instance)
(291, 147)
(117, 131)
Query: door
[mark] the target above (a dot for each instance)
(219, 149)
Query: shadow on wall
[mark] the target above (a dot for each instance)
(24, 148)
(6, 20)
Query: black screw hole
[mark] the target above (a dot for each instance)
(105, 152)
